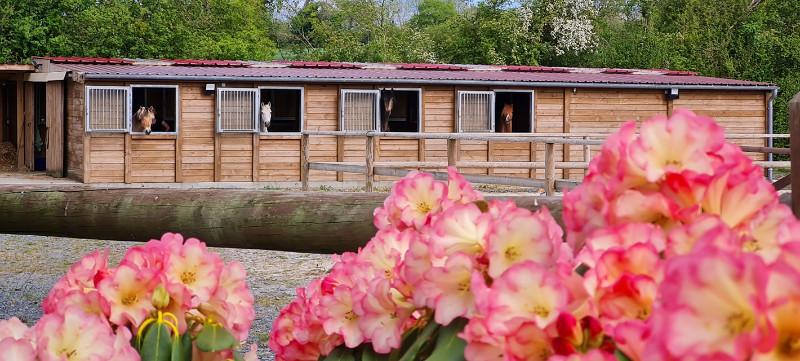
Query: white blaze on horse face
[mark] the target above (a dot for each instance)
(266, 114)
(507, 116)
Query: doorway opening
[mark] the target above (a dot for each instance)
(520, 102)
(40, 140)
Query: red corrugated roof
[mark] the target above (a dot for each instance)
(192, 62)
(86, 60)
(300, 71)
(418, 66)
(321, 65)
(534, 69)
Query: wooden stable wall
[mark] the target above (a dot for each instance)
(198, 154)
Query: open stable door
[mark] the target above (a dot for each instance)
(29, 120)
(54, 144)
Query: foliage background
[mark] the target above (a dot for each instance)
(744, 39)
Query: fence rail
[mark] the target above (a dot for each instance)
(370, 168)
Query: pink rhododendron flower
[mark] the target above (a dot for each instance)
(680, 142)
(769, 230)
(711, 303)
(128, 292)
(784, 298)
(528, 343)
(195, 268)
(630, 337)
(482, 345)
(453, 294)
(384, 315)
(417, 196)
(593, 355)
(16, 341)
(459, 189)
(735, 200)
(525, 292)
(297, 333)
(232, 302)
(523, 236)
(461, 228)
(385, 251)
(706, 231)
(83, 276)
(75, 335)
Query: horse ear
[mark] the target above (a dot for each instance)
(269, 104)
(151, 109)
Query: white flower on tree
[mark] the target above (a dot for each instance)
(572, 27)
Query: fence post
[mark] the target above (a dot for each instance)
(587, 155)
(794, 129)
(452, 152)
(305, 170)
(370, 163)
(549, 169)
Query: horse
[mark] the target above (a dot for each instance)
(505, 118)
(388, 106)
(144, 119)
(266, 114)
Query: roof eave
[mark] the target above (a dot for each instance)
(96, 76)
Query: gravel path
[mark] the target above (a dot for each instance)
(30, 265)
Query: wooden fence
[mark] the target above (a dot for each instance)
(370, 168)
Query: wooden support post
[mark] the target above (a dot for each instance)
(533, 159)
(217, 157)
(549, 169)
(794, 128)
(179, 158)
(340, 156)
(587, 155)
(256, 156)
(127, 155)
(452, 152)
(304, 159)
(370, 162)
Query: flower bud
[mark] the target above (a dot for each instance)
(563, 347)
(593, 329)
(160, 297)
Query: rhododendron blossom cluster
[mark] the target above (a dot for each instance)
(676, 248)
(97, 312)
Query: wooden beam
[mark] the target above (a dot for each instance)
(370, 163)
(565, 154)
(549, 168)
(28, 129)
(782, 183)
(256, 156)
(794, 127)
(179, 158)
(339, 156)
(289, 221)
(128, 157)
(217, 157)
(452, 152)
(305, 170)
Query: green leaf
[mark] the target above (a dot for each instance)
(621, 356)
(340, 353)
(421, 340)
(156, 343)
(368, 354)
(182, 349)
(214, 338)
(450, 347)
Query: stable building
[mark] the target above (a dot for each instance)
(74, 117)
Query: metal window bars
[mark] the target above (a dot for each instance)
(237, 110)
(359, 110)
(107, 109)
(475, 111)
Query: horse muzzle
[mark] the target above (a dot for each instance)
(147, 131)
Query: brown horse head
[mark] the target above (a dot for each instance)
(144, 119)
(506, 116)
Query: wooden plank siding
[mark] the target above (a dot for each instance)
(76, 108)
(322, 113)
(736, 111)
(197, 131)
(54, 153)
(199, 154)
(605, 110)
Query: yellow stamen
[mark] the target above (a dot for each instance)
(512, 253)
(739, 322)
(188, 277)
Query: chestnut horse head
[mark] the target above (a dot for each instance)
(143, 120)
(388, 106)
(506, 116)
(266, 114)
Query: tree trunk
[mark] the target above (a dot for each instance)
(319, 222)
